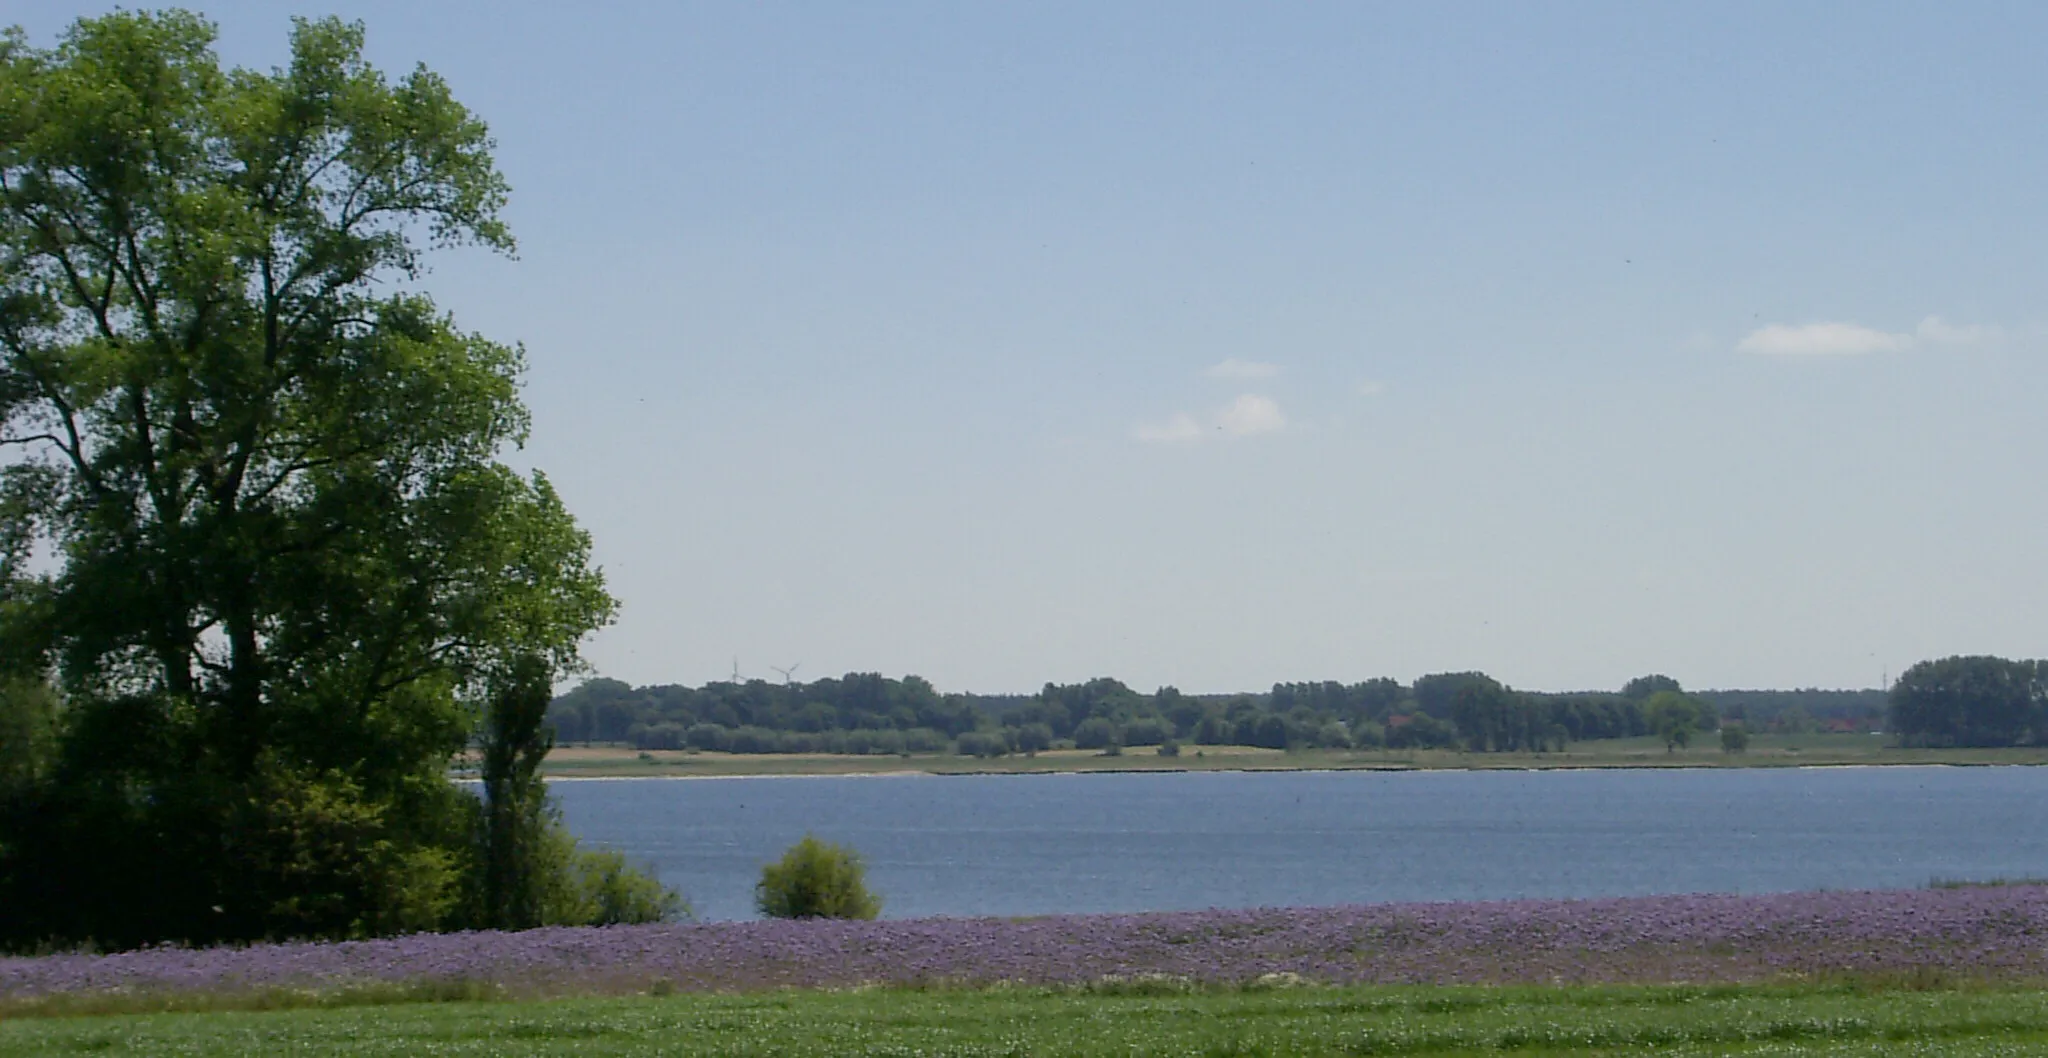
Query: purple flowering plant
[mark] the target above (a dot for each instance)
(1945, 934)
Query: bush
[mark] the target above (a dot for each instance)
(1146, 731)
(575, 886)
(1095, 733)
(816, 879)
(1031, 738)
(1266, 730)
(755, 740)
(707, 736)
(664, 735)
(925, 740)
(608, 891)
(985, 744)
(1169, 748)
(1422, 731)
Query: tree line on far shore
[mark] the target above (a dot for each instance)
(1974, 701)
(867, 713)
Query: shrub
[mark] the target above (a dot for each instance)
(663, 735)
(816, 879)
(575, 886)
(755, 740)
(608, 891)
(1146, 731)
(707, 736)
(1031, 738)
(1095, 733)
(983, 744)
(1169, 748)
(925, 740)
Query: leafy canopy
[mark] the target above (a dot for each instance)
(816, 879)
(252, 515)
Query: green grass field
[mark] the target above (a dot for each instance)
(1801, 1019)
(1765, 751)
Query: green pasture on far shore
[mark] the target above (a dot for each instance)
(1124, 1020)
(1764, 751)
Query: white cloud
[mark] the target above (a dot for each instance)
(1822, 339)
(1251, 414)
(1178, 430)
(1937, 332)
(1850, 339)
(1242, 369)
(1371, 388)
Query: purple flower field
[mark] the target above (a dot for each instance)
(1934, 934)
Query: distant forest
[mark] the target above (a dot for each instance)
(868, 713)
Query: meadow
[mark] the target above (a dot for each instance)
(1125, 1021)
(1945, 969)
(1765, 751)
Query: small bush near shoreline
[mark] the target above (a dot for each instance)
(816, 879)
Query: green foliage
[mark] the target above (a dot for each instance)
(1144, 731)
(1331, 735)
(816, 879)
(1095, 733)
(1421, 731)
(1674, 716)
(984, 744)
(1796, 711)
(1492, 717)
(1734, 738)
(601, 888)
(1476, 713)
(288, 560)
(1971, 701)
(515, 816)
(1169, 748)
(30, 717)
(1031, 738)
(1642, 687)
(865, 713)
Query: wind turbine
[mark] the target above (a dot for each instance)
(788, 672)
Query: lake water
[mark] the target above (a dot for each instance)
(1035, 844)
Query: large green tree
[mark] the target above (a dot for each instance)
(253, 519)
(1674, 716)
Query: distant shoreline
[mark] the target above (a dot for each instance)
(1808, 751)
(916, 774)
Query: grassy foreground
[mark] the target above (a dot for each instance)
(1125, 1020)
(1764, 751)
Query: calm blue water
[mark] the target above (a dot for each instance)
(1032, 844)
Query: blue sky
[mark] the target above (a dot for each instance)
(1216, 345)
